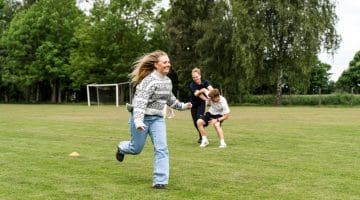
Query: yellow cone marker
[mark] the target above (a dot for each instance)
(74, 154)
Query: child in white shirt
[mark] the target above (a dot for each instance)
(218, 112)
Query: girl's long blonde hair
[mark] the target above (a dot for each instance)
(144, 65)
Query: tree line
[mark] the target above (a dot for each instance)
(50, 49)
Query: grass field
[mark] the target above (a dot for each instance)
(273, 153)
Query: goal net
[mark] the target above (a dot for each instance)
(109, 94)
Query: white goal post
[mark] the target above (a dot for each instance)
(97, 86)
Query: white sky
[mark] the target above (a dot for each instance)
(348, 12)
(165, 3)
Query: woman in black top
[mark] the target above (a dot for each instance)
(199, 90)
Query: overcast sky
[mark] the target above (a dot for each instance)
(348, 27)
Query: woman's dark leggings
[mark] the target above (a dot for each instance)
(196, 112)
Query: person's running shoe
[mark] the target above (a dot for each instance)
(204, 143)
(222, 145)
(159, 186)
(119, 156)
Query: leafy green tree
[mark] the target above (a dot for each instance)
(277, 39)
(215, 50)
(158, 37)
(350, 78)
(5, 15)
(320, 79)
(184, 35)
(7, 11)
(37, 46)
(110, 40)
(8, 8)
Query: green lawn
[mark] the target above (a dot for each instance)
(273, 153)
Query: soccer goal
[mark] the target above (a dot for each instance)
(114, 93)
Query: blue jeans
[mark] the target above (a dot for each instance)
(156, 128)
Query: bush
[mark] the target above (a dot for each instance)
(309, 100)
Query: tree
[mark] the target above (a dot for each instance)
(350, 78)
(215, 49)
(29, 2)
(277, 39)
(158, 37)
(110, 40)
(319, 78)
(6, 14)
(7, 11)
(183, 36)
(37, 46)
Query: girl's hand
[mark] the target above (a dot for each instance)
(142, 128)
(188, 105)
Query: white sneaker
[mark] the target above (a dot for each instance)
(204, 143)
(222, 145)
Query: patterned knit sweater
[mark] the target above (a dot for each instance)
(151, 95)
